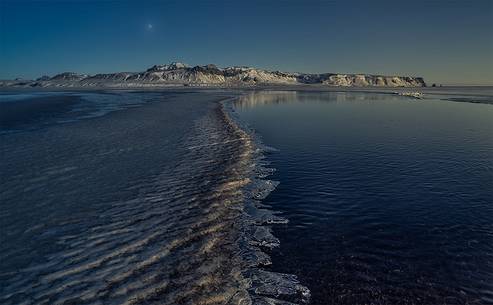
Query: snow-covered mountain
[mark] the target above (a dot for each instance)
(179, 74)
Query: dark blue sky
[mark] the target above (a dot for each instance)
(445, 41)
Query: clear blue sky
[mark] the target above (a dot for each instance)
(445, 41)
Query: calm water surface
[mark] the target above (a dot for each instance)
(390, 199)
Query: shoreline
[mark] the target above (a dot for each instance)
(482, 94)
(255, 233)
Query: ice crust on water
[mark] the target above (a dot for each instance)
(263, 188)
(278, 285)
(264, 287)
(262, 216)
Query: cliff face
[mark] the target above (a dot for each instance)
(360, 80)
(210, 75)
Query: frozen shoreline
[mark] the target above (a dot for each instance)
(255, 235)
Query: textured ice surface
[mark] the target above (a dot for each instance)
(149, 204)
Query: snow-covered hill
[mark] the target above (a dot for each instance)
(210, 75)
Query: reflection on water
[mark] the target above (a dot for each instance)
(389, 198)
(258, 98)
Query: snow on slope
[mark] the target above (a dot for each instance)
(210, 75)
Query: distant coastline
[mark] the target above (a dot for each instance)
(466, 94)
(179, 74)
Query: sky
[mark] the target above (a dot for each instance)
(444, 41)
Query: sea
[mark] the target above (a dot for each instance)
(271, 196)
(389, 198)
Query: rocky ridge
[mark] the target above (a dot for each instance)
(179, 74)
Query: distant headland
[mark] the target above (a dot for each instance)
(179, 74)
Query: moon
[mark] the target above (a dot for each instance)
(149, 26)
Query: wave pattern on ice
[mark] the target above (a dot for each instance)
(194, 234)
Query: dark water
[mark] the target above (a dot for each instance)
(34, 110)
(390, 199)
